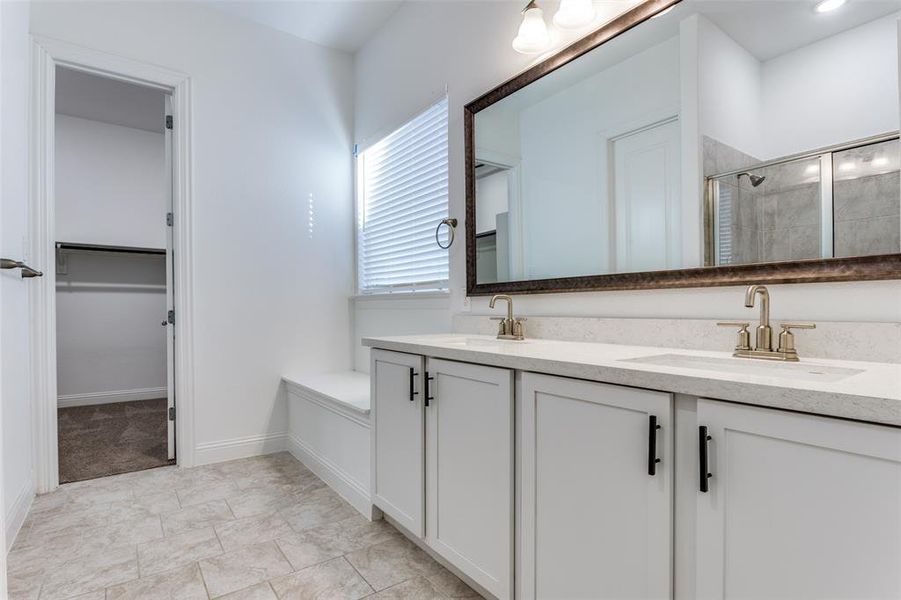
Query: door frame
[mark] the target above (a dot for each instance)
(46, 55)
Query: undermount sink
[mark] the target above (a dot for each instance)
(742, 366)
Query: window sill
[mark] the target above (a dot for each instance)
(401, 296)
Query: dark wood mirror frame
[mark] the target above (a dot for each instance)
(863, 268)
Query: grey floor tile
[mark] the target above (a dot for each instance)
(24, 584)
(316, 508)
(243, 568)
(252, 530)
(334, 579)
(181, 584)
(177, 550)
(143, 505)
(197, 517)
(261, 591)
(318, 544)
(419, 588)
(452, 586)
(392, 562)
(90, 572)
(201, 494)
(260, 500)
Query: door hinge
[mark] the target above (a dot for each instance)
(170, 219)
(171, 413)
(171, 317)
(168, 121)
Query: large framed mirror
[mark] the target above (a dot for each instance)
(693, 143)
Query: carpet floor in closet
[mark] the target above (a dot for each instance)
(108, 439)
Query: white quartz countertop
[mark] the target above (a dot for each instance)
(863, 391)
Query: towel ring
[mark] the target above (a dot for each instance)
(451, 228)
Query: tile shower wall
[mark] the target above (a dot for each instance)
(775, 221)
(745, 229)
(867, 200)
(789, 211)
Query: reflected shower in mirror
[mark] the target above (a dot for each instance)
(719, 133)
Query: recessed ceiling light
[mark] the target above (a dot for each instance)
(827, 5)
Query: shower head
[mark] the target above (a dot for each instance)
(754, 179)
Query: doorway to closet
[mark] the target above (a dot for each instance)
(114, 276)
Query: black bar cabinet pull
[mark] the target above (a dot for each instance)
(703, 470)
(428, 388)
(413, 391)
(652, 445)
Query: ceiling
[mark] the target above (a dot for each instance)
(340, 24)
(769, 28)
(80, 94)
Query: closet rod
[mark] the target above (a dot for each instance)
(105, 248)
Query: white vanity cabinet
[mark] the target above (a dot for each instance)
(398, 437)
(596, 503)
(796, 506)
(469, 471)
(442, 446)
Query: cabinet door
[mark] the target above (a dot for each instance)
(398, 445)
(797, 506)
(596, 506)
(470, 471)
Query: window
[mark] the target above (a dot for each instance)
(402, 195)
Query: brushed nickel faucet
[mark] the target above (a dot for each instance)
(509, 328)
(763, 349)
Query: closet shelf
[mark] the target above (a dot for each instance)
(108, 248)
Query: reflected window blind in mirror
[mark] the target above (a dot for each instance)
(402, 195)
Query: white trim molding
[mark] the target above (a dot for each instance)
(243, 447)
(18, 511)
(92, 398)
(46, 55)
(356, 494)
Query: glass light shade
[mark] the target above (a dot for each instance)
(574, 14)
(532, 37)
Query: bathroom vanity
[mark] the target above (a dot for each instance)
(549, 469)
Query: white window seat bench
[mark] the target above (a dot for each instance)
(328, 431)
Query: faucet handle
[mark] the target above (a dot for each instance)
(744, 336)
(787, 338)
(789, 326)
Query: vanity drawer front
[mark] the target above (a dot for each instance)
(398, 437)
(596, 523)
(797, 506)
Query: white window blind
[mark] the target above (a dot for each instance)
(402, 197)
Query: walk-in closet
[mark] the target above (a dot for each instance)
(113, 292)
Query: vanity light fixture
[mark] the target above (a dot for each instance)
(574, 14)
(828, 5)
(532, 37)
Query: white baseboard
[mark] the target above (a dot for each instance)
(348, 488)
(110, 397)
(15, 517)
(254, 445)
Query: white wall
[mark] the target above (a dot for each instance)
(422, 50)
(493, 194)
(271, 134)
(110, 345)
(839, 89)
(730, 94)
(110, 184)
(15, 411)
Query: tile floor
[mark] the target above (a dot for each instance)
(253, 529)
